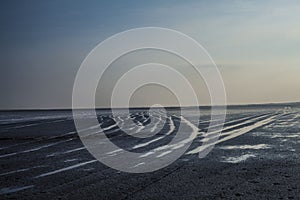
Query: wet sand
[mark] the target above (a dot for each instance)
(44, 158)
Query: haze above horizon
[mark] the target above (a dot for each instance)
(255, 44)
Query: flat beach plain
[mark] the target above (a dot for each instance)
(256, 157)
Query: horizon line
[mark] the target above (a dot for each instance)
(147, 107)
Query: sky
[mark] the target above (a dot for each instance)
(255, 44)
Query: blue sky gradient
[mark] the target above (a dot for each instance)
(255, 44)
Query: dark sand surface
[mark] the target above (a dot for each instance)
(43, 158)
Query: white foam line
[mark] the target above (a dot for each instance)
(228, 133)
(139, 123)
(235, 120)
(23, 126)
(147, 154)
(251, 119)
(115, 151)
(14, 189)
(73, 150)
(34, 149)
(109, 127)
(14, 145)
(146, 120)
(286, 136)
(21, 170)
(147, 143)
(65, 169)
(255, 147)
(172, 128)
(7, 155)
(238, 159)
(66, 152)
(163, 154)
(294, 121)
(14, 121)
(155, 125)
(70, 160)
(228, 128)
(120, 124)
(284, 122)
(193, 135)
(93, 133)
(91, 127)
(15, 171)
(88, 169)
(139, 164)
(30, 119)
(206, 121)
(140, 127)
(34, 124)
(234, 133)
(131, 128)
(119, 117)
(46, 146)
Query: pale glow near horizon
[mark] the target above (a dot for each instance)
(255, 44)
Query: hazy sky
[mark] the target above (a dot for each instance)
(256, 44)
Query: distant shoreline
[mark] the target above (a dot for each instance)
(168, 107)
